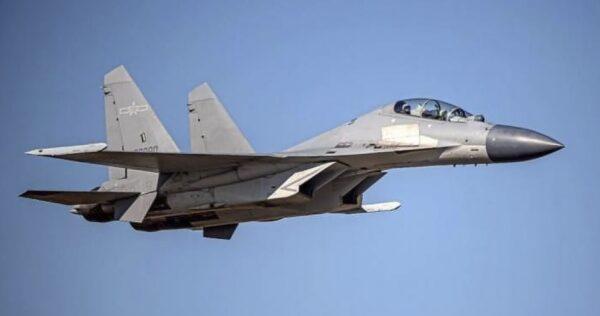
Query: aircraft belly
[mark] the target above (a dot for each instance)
(279, 188)
(327, 199)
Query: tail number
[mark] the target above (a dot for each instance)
(152, 149)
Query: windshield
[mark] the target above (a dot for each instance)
(432, 109)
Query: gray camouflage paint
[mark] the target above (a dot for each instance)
(223, 182)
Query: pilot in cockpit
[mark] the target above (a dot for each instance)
(435, 109)
(431, 109)
(402, 107)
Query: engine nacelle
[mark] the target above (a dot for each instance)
(178, 222)
(100, 213)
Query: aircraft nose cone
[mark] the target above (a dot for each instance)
(508, 143)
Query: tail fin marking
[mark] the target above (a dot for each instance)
(131, 124)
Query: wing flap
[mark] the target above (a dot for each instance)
(77, 197)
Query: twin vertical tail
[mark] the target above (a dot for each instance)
(131, 124)
(212, 130)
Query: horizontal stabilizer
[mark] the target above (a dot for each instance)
(135, 209)
(77, 197)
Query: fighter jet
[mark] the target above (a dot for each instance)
(223, 182)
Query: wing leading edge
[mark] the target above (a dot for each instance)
(190, 162)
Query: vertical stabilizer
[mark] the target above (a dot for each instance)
(131, 124)
(211, 128)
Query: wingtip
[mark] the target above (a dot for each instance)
(395, 205)
(35, 152)
(58, 151)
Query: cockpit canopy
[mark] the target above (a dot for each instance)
(434, 109)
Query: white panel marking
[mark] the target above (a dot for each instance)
(401, 135)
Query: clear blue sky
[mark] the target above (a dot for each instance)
(514, 239)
